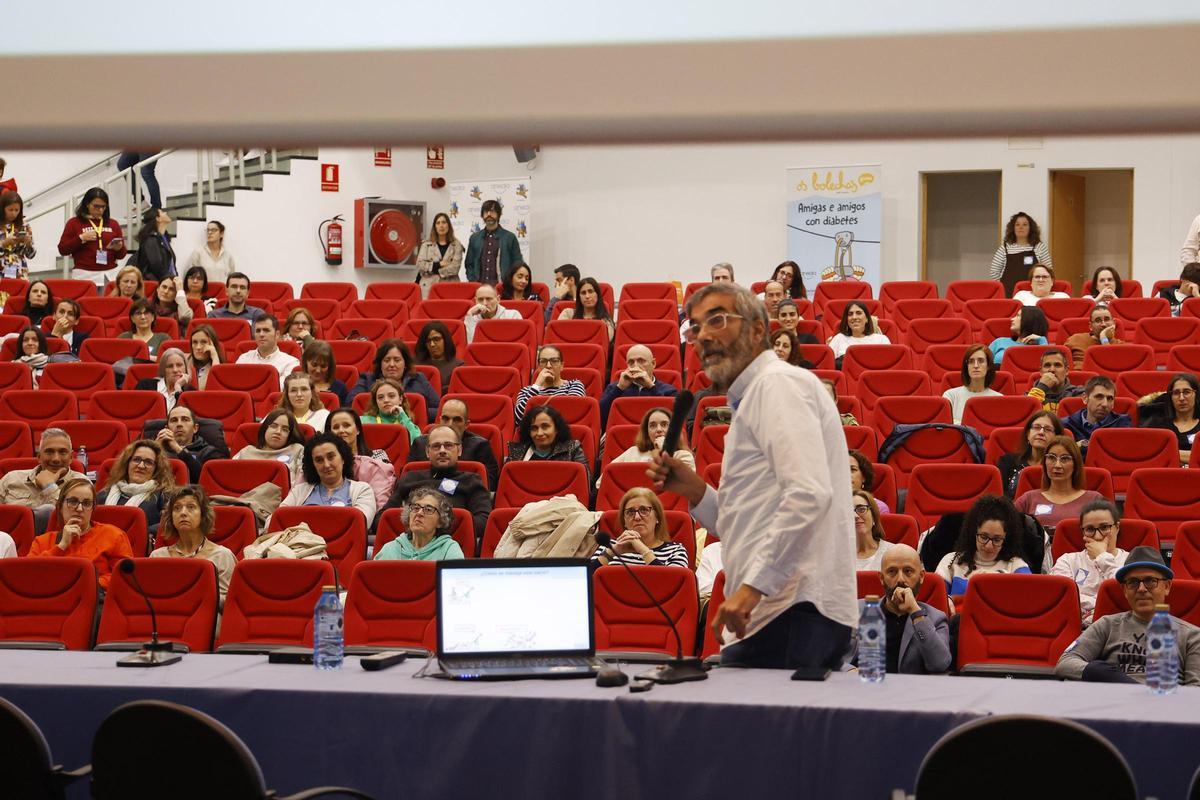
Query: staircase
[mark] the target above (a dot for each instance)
(227, 182)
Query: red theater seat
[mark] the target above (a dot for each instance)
(891, 292)
(831, 291)
(710, 650)
(1025, 620)
(16, 441)
(1113, 359)
(875, 358)
(626, 621)
(978, 312)
(1134, 532)
(583, 355)
(1166, 497)
(619, 478)
(230, 408)
(103, 438)
(1131, 309)
(131, 407)
(235, 477)
(886, 487)
(900, 529)
(487, 409)
(1185, 560)
(344, 293)
(354, 353)
(497, 524)
(577, 331)
(499, 354)
(819, 355)
(17, 522)
(15, 375)
(392, 604)
(986, 414)
(639, 292)
(406, 292)
(647, 332)
(909, 410)
(710, 445)
(524, 482)
(519, 331)
(939, 489)
(890, 383)
(932, 592)
(48, 602)
(229, 331)
(393, 439)
(1184, 600)
(235, 528)
(650, 309)
(343, 529)
(184, 594)
(575, 410)
(905, 312)
(486, 380)
(394, 311)
(373, 329)
(390, 525)
(270, 603)
(863, 439)
(74, 288)
(959, 293)
(926, 333)
(1162, 333)
(1136, 385)
(1123, 450)
(1184, 358)
(40, 408)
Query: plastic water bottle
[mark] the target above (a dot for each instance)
(872, 642)
(328, 647)
(1162, 655)
(83, 461)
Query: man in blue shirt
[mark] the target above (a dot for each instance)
(1100, 395)
(237, 289)
(636, 380)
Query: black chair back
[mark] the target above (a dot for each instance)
(26, 769)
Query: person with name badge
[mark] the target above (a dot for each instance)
(328, 469)
(92, 238)
(1063, 493)
(1021, 248)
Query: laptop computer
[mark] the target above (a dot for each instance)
(503, 619)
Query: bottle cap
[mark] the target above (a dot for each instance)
(872, 598)
(329, 588)
(1162, 607)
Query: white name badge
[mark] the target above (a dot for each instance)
(1043, 508)
(1028, 260)
(284, 457)
(102, 256)
(337, 504)
(448, 486)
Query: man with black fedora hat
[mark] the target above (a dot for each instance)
(1113, 649)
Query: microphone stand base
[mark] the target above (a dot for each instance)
(152, 654)
(677, 670)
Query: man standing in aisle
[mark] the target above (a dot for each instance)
(783, 511)
(491, 250)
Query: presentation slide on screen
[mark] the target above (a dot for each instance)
(535, 609)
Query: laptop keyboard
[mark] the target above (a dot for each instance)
(531, 662)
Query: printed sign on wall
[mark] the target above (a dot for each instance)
(514, 194)
(383, 156)
(835, 223)
(435, 157)
(329, 177)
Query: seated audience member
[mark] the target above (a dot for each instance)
(195, 287)
(589, 304)
(66, 316)
(789, 319)
(548, 381)
(1113, 648)
(78, 537)
(990, 541)
(518, 284)
(545, 436)
(279, 439)
(212, 259)
(188, 521)
(1055, 381)
(463, 489)
(389, 406)
(1029, 326)
(1188, 286)
(372, 467)
(1041, 286)
(721, 272)
(862, 478)
(299, 327)
(857, 327)
(141, 477)
(435, 348)
(266, 336)
(487, 306)
(329, 479)
(172, 380)
(772, 296)
(180, 439)
(566, 282)
(787, 275)
(32, 351)
(978, 372)
(1106, 285)
(237, 289)
(129, 283)
(868, 532)
(918, 635)
(456, 415)
(302, 400)
(39, 303)
(1100, 558)
(8, 547)
(1100, 395)
(1101, 330)
(393, 360)
(206, 352)
(38, 488)
(1035, 436)
(650, 436)
(1063, 494)
(141, 320)
(171, 303)
(644, 539)
(786, 345)
(706, 571)
(1179, 413)
(636, 380)
(318, 361)
(847, 418)
(428, 524)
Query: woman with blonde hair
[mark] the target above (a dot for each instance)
(129, 283)
(141, 477)
(303, 401)
(300, 327)
(644, 538)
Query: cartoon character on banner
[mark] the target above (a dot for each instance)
(843, 267)
(453, 209)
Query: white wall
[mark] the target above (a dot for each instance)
(628, 213)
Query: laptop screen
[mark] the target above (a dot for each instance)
(514, 607)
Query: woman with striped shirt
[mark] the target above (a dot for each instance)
(1021, 249)
(645, 539)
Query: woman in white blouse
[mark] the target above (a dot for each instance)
(303, 401)
(1041, 282)
(978, 372)
(216, 260)
(328, 468)
(857, 327)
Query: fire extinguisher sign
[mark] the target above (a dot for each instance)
(329, 177)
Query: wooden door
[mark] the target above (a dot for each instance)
(1067, 209)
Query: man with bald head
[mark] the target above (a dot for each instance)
(636, 380)
(918, 635)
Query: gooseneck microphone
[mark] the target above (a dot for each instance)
(679, 410)
(678, 669)
(153, 653)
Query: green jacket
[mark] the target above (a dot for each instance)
(509, 254)
(399, 418)
(441, 548)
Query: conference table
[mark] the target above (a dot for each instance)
(741, 733)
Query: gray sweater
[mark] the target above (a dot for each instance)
(1121, 639)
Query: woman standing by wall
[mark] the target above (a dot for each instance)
(1021, 249)
(440, 256)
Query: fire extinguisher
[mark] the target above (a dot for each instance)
(331, 240)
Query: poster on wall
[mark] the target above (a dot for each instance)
(466, 200)
(835, 223)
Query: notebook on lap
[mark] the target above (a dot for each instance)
(504, 619)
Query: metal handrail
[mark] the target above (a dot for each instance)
(29, 201)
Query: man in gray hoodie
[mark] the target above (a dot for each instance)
(1113, 649)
